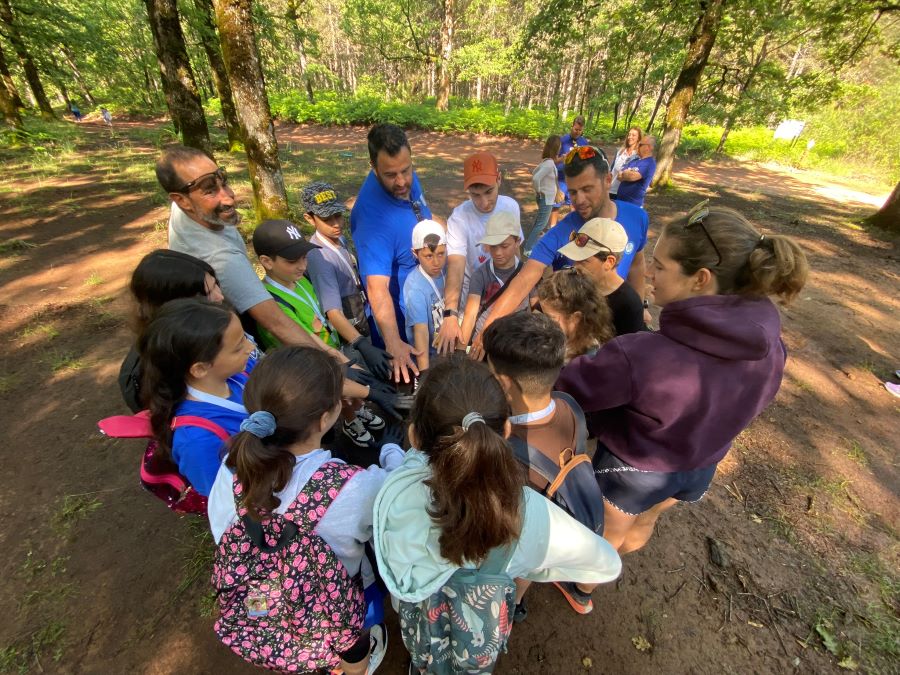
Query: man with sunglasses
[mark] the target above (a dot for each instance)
(202, 224)
(389, 204)
(587, 171)
(636, 175)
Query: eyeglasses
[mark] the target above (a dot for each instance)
(581, 240)
(208, 182)
(695, 217)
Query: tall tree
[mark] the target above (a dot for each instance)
(12, 33)
(700, 45)
(8, 107)
(235, 21)
(888, 216)
(179, 85)
(292, 15)
(8, 83)
(443, 91)
(76, 73)
(210, 39)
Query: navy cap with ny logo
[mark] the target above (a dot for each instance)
(281, 238)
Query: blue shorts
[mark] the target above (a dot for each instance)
(634, 491)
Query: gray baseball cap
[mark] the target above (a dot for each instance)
(320, 199)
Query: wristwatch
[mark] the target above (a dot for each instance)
(451, 312)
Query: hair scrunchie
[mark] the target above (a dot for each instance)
(260, 424)
(470, 419)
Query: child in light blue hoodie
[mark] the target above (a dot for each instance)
(461, 495)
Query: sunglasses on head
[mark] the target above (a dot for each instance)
(584, 152)
(695, 217)
(581, 240)
(206, 182)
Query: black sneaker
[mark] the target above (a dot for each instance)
(371, 421)
(520, 613)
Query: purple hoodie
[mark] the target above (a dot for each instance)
(675, 400)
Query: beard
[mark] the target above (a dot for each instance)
(217, 222)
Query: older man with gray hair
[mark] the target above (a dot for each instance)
(636, 175)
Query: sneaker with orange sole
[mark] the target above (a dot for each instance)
(579, 600)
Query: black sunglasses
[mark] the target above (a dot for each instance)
(695, 217)
(208, 181)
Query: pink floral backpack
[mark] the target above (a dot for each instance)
(286, 601)
(159, 475)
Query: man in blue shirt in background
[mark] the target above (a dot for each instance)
(389, 205)
(636, 175)
(571, 140)
(587, 169)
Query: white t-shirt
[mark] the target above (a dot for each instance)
(622, 158)
(465, 227)
(225, 251)
(543, 179)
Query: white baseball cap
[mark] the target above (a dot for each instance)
(500, 226)
(423, 229)
(595, 236)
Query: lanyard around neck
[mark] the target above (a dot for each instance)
(212, 399)
(307, 300)
(340, 254)
(499, 280)
(526, 418)
(431, 282)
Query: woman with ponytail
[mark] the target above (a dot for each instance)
(277, 477)
(666, 406)
(459, 497)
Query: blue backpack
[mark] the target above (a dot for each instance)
(570, 476)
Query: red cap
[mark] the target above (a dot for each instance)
(480, 168)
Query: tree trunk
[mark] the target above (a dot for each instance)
(443, 92)
(179, 84)
(888, 216)
(293, 18)
(235, 21)
(9, 85)
(79, 80)
(10, 111)
(659, 99)
(31, 71)
(210, 40)
(742, 90)
(699, 46)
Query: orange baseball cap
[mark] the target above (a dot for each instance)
(480, 168)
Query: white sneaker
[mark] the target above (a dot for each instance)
(371, 421)
(357, 432)
(378, 639)
(893, 388)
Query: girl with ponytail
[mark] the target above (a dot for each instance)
(666, 406)
(459, 497)
(195, 358)
(280, 501)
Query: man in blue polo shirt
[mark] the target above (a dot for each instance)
(573, 139)
(389, 205)
(587, 171)
(636, 175)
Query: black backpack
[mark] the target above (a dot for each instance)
(572, 485)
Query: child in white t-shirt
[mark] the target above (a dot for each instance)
(423, 290)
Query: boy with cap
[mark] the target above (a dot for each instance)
(282, 251)
(335, 276)
(501, 242)
(423, 290)
(465, 227)
(597, 248)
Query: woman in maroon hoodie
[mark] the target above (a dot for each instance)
(666, 406)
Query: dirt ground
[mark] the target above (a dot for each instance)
(98, 577)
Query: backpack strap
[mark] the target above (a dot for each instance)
(201, 423)
(534, 459)
(498, 558)
(320, 491)
(581, 432)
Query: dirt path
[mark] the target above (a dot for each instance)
(101, 578)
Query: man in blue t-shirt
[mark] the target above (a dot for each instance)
(636, 175)
(389, 205)
(570, 140)
(589, 180)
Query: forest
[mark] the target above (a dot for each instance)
(711, 77)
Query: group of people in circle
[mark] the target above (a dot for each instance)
(492, 356)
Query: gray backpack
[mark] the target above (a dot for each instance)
(463, 626)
